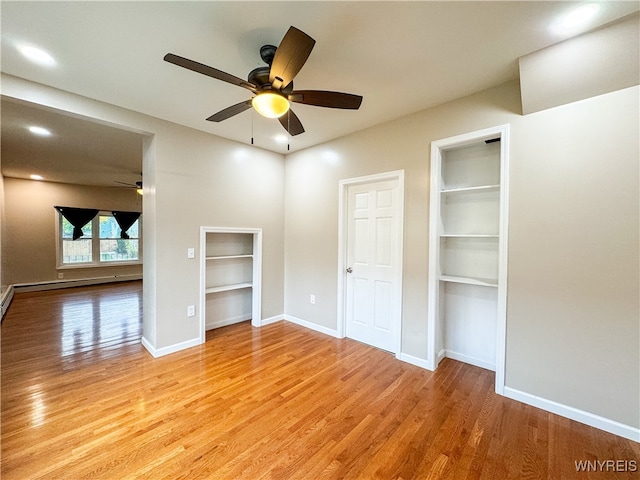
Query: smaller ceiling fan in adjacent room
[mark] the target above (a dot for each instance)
(272, 85)
(137, 186)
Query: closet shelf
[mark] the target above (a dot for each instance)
(484, 282)
(478, 188)
(468, 235)
(224, 257)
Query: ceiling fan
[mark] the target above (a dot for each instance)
(137, 186)
(272, 85)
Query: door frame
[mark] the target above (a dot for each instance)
(501, 131)
(343, 218)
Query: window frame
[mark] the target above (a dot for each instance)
(95, 245)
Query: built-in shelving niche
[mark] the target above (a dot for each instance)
(467, 250)
(231, 276)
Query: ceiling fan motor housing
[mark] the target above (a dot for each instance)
(267, 52)
(260, 76)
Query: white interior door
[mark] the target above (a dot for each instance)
(373, 264)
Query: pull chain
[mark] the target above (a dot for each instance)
(288, 129)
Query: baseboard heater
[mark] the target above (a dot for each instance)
(7, 295)
(5, 300)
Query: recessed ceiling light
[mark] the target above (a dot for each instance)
(37, 55)
(577, 18)
(281, 138)
(43, 132)
(36, 177)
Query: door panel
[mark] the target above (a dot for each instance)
(373, 285)
(383, 312)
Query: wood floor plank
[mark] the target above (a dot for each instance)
(81, 398)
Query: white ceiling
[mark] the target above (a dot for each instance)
(402, 57)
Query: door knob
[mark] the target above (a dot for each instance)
(349, 270)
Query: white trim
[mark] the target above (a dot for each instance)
(343, 186)
(467, 359)
(434, 244)
(161, 352)
(596, 421)
(270, 320)
(434, 263)
(312, 326)
(418, 362)
(503, 259)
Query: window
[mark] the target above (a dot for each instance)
(112, 247)
(76, 251)
(100, 244)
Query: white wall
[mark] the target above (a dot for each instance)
(597, 62)
(572, 319)
(203, 180)
(573, 300)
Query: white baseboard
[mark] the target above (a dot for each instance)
(471, 360)
(418, 362)
(228, 321)
(311, 326)
(606, 424)
(160, 352)
(274, 319)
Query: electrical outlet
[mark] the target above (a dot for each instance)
(312, 299)
(60, 275)
(191, 311)
(191, 253)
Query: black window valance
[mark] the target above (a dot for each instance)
(125, 221)
(78, 217)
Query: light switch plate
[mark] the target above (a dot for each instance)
(191, 253)
(191, 311)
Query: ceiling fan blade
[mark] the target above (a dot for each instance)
(230, 111)
(291, 123)
(291, 55)
(322, 98)
(208, 71)
(125, 183)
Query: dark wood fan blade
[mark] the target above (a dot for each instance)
(230, 111)
(291, 55)
(321, 98)
(291, 123)
(208, 71)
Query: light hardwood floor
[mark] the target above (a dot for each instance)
(81, 398)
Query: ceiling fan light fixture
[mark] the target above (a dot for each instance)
(270, 105)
